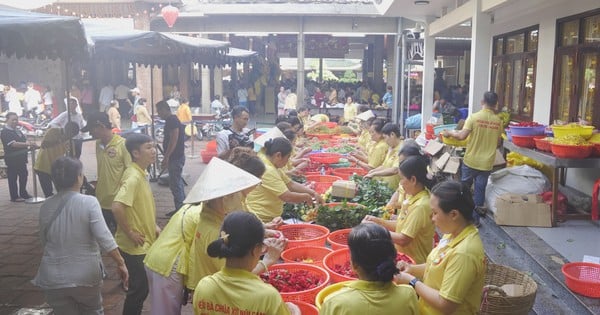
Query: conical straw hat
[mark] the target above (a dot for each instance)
(271, 134)
(220, 179)
(365, 116)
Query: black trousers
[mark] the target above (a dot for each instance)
(138, 284)
(17, 172)
(46, 183)
(109, 218)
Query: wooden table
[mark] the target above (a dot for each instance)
(559, 167)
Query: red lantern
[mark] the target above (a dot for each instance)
(170, 14)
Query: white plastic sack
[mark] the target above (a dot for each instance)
(520, 180)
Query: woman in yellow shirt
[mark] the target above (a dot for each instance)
(413, 230)
(266, 201)
(235, 289)
(183, 112)
(409, 148)
(388, 171)
(372, 255)
(350, 110)
(376, 152)
(454, 274)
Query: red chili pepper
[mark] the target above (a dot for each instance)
(295, 281)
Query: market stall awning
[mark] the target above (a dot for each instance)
(35, 35)
(152, 48)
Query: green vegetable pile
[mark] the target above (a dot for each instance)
(295, 211)
(342, 216)
(342, 149)
(371, 193)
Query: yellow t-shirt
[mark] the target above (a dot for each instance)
(414, 220)
(184, 113)
(485, 128)
(371, 297)
(53, 147)
(135, 193)
(349, 112)
(456, 267)
(237, 291)
(377, 153)
(174, 242)
(364, 139)
(264, 200)
(391, 160)
(112, 160)
(207, 231)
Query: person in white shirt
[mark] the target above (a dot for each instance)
(242, 95)
(122, 95)
(32, 99)
(62, 119)
(216, 106)
(107, 93)
(12, 98)
(48, 98)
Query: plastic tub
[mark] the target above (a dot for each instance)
(211, 145)
(304, 234)
(438, 129)
(525, 141)
(309, 295)
(312, 255)
(322, 182)
(323, 294)
(337, 257)
(346, 172)
(572, 151)
(583, 278)
(543, 144)
(325, 158)
(527, 131)
(307, 308)
(573, 129)
(207, 156)
(338, 239)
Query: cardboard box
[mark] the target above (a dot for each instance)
(343, 189)
(522, 210)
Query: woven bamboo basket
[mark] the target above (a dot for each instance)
(496, 302)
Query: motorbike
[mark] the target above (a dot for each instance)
(208, 129)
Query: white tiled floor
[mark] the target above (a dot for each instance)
(572, 239)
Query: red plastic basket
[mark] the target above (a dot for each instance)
(325, 158)
(320, 136)
(338, 239)
(304, 234)
(299, 255)
(525, 141)
(571, 151)
(322, 182)
(337, 257)
(309, 295)
(346, 172)
(306, 308)
(542, 144)
(583, 278)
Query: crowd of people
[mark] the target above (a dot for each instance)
(222, 234)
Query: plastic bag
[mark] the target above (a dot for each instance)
(520, 180)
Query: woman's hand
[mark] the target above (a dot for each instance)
(124, 275)
(274, 248)
(371, 219)
(403, 266)
(137, 237)
(369, 174)
(273, 225)
(403, 278)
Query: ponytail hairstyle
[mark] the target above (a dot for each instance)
(246, 159)
(417, 166)
(371, 249)
(453, 195)
(281, 145)
(241, 232)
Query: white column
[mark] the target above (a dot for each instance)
(300, 72)
(428, 77)
(396, 68)
(218, 73)
(205, 80)
(481, 47)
